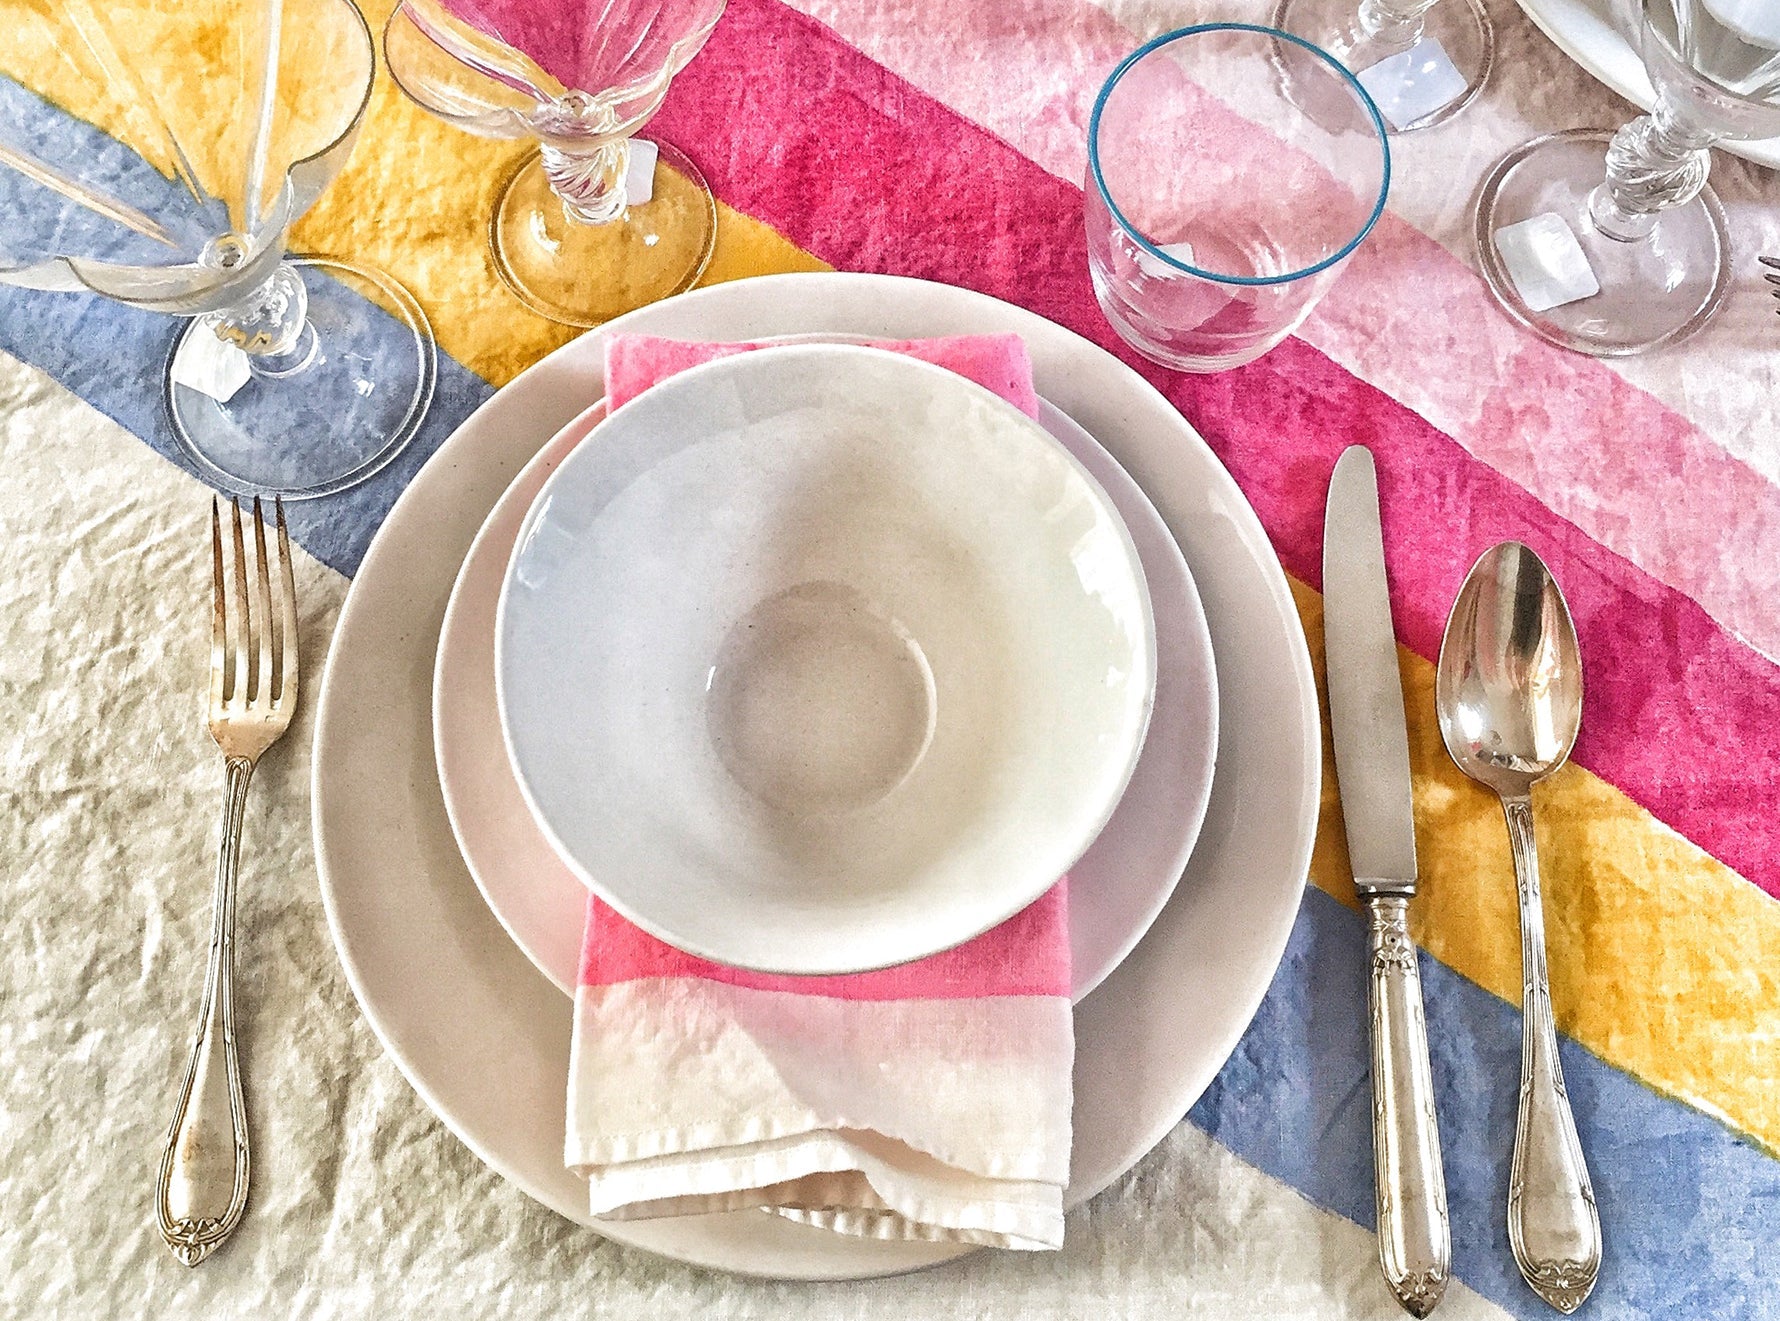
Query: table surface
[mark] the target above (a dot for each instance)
(944, 138)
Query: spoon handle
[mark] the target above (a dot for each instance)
(1553, 1226)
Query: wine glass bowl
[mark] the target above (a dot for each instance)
(1614, 243)
(585, 227)
(209, 129)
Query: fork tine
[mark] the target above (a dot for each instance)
(261, 614)
(243, 621)
(1771, 279)
(285, 667)
(218, 627)
(1770, 261)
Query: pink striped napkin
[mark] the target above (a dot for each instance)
(927, 1101)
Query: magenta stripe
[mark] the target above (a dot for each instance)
(869, 173)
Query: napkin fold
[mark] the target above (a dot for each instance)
(926, 1101)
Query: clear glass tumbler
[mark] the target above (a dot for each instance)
(1232, 169)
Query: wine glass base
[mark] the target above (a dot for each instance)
(1653, 292)
(584, 275)
(1403, 90)
(338, 410)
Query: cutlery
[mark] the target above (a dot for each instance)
(1773, 279)
(201, 1189)
(1372, 765)
(1509, 695)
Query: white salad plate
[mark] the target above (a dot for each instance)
(484, 1039)
(1117, 887)
(821, 658)
(1589, 32)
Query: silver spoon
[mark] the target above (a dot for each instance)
(1509, 695)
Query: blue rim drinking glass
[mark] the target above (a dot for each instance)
(1232, 171)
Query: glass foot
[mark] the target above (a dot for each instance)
(583, 274)
(324, 417)
(1413, 87)
(1653, 292)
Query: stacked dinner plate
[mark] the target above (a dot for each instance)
(722, 664)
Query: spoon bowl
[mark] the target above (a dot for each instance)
(1508, 688)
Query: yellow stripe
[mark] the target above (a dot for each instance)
(1665, 963)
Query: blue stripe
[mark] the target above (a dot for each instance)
(1690, 1210)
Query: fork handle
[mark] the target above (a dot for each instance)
(201, 1190)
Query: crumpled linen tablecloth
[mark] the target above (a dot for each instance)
(944, 138)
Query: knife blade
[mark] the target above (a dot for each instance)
(1377, 806)
(1365, 690)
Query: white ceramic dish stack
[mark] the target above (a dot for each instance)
(484, 1038)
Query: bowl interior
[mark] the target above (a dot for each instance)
(818, 658)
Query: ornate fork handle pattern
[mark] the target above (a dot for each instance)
(190, 1208)
(1553, 1225)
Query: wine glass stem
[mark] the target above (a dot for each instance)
(1395, 24)
(590, 184)
(1654, 163)
(270, 323)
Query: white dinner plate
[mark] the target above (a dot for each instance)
(1117, 887)
(822, 659)
(1588, 32)
(484, 1039)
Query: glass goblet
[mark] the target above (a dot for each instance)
(200, 131)
(1421, 61)
(1614, 244)
(585, 227)
(1232, 170)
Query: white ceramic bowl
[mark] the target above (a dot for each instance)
(818, 659)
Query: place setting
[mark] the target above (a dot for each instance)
(821, 773)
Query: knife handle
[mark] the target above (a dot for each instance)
(1414, 1239)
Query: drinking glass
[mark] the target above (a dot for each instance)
(1421, 61)
(1232, 169)
(585, 228)
(159, 152)
(1614, 244)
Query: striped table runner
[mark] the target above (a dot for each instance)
(945, 139)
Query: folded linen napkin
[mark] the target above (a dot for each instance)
(927, 1101)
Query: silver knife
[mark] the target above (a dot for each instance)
(1372, 765)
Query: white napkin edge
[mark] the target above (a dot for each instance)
(853, 1183)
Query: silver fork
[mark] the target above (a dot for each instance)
(201, 1190)
(1772, 275)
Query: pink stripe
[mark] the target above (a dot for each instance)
(1026, 955)
(871, 174)
(1407, 315)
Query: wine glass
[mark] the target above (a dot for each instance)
(586, 227)
(1232, 170)
(1613, 244)
(201, 131)
(1422, 62)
